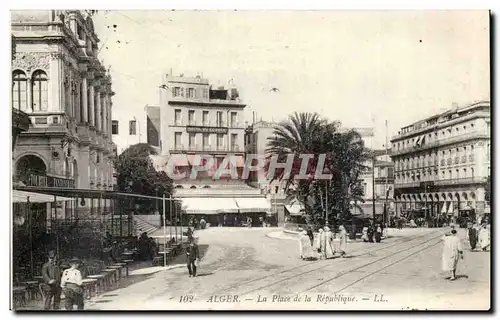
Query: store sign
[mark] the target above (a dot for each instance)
(195, 129)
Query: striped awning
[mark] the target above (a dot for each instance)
(19, 196)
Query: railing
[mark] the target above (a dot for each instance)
(407, 185)
(46, 180)
(469, 180)
(442, 142)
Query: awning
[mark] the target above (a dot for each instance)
(295, 209)
(209, 205)
(253, 204)
(22, 196)
(443, 209)
(450, 208)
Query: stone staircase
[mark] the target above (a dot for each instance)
(143, 226)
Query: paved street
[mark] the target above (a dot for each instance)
(405, 269)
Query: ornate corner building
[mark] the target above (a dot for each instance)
(442, 163)
(58, 81)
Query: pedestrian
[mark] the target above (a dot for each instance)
(371, 231)
(484, 237)
(71, 284)
(51, 273)
(327, 251)
(343, 241)
(364, 234)
(452, 252)
(377, 233)
(318, 243)
(305, 248)
(203, 223)
(192, 255)
(310, 234)
(249, 222)
(472, 235)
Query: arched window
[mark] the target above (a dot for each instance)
(19, 90)
(40, 90)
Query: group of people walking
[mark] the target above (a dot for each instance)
(69, 282)
(326, 245)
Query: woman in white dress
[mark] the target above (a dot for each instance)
(326, 238)
(305, 248)
(484, 237)
(343, 241)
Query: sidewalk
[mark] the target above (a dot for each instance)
(138, 271)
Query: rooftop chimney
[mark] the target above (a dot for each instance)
(454, 105)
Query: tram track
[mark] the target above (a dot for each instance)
(305, 269)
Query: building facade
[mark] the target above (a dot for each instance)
(442, 162)
(59, 82)
(198, 119)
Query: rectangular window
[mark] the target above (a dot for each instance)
(234, 142)
(178, 140)
(219, 119)
(190, 93)
(233, 119)
(132, 127)
(176, 92)
(192, 137)
(177, 117)
(205, 118)
(191, 117)
(220, 141)
(114, 127)
(205, 141)
(205, 93)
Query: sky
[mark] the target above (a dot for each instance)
(359, 67)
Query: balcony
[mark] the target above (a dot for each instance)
(206, 148)
(47, 180)
(460, 181)
(441, 182)
(442, 142)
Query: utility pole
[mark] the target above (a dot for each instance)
(373, 183)
(164, 234)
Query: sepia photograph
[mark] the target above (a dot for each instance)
(244, 160)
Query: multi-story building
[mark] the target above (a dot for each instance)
(442, 162)
(126, 131)
(58, 81)
(257, 136)
(198, 119)
(153, 125)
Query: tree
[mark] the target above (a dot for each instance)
(137, 174)
(345, 155)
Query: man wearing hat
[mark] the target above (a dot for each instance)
(51, 273)
(71, 284)
(192, 253)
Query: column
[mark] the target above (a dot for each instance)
(98, 113)
(55, 86)
(91, 106)
(110, 115)
(85, 97)
(103, 112)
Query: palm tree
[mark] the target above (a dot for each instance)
(308, 133)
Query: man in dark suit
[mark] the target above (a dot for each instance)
(51, 273)
(192, 254)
